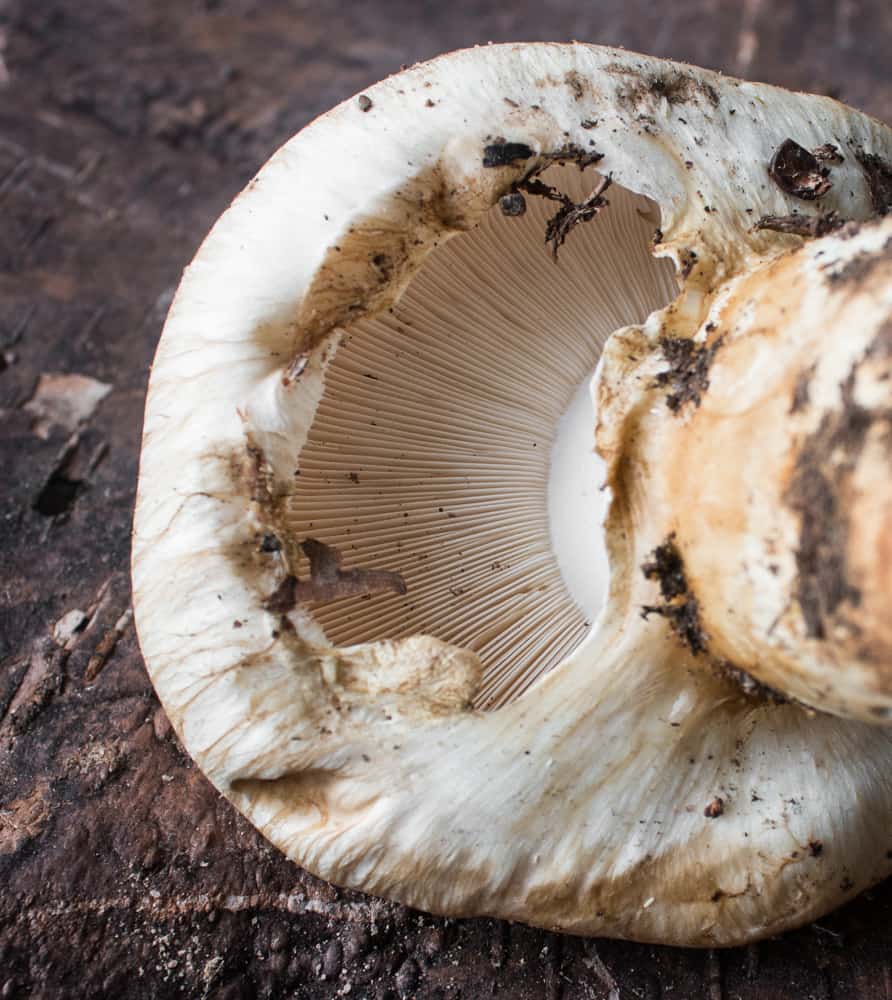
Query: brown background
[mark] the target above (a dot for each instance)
(125, 128)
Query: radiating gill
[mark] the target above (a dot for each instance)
(454, 440)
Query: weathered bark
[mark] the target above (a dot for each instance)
(125, 127)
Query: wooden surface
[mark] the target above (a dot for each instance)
(125, 128)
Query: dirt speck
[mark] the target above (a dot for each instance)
(678, 605)
(674, 86)
(571, 214)
(802, 389)
(878, 174)
(576, 84)
(667, 567)
(270, 543)
(364, 102)
(687, 260)
(747, 684)
(258, 475)
(513, 204)
(678, 88)
(715, 808)
(688, 374)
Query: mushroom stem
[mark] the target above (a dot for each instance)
(769, 477)
(577, 504)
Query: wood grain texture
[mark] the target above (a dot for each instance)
(125, 128)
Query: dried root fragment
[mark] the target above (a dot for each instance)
(571, 213)
(328, 582)
(802, 225)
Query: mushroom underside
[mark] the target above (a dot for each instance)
(355, 528)
(454, 443)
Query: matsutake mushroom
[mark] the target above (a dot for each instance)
(404, 615)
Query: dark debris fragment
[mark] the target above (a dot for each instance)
(878, 173)
(688, 260)
(513, 204)
(798, 172)
(679, 606)
(270, 543)
(502, 153)
(860, 267)
(674, 86)
(667, 567)
(715, 808)
(748, 685)
(802, 225)
(571, 153)
(818, 493)
(284, 598)
(679, 88)
(688, 372)
(329, 582)
(828, 153)
(571, 213)
(576, 83)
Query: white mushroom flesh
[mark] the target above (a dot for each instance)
(652, 784)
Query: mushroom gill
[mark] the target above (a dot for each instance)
(454, 440)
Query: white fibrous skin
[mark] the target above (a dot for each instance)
(514, 530)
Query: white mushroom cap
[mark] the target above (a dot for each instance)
(624, 782)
